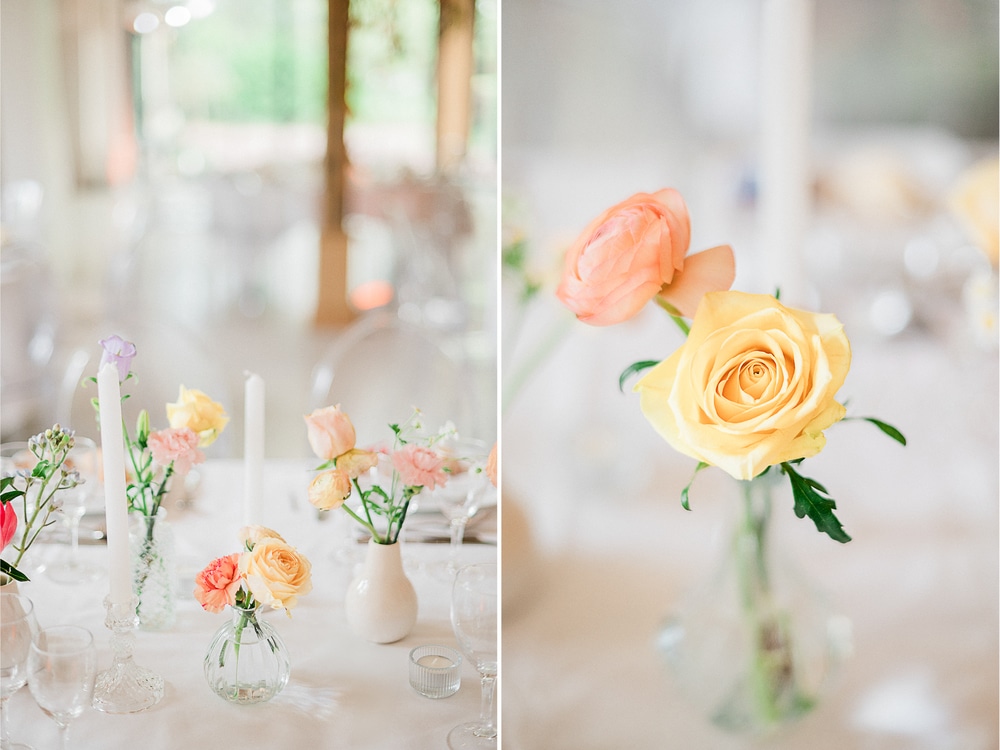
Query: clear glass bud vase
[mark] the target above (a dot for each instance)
(755, 646)
(154, 572)
(247, 661)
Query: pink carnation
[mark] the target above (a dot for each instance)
(8, 524)
(215, 587)
(419, 466)
(177, 445)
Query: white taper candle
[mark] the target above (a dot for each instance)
(253, 449)
(115, 501)
(784, 199)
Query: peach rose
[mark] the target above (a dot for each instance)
(635, 251)
(356, 462)
(329, 490)
(491, 465)
(276, 573)
(752, 386)
(250, 535)
(419, 466)
(331, 433)
(215, 587)
(198, 412)
(176, 445)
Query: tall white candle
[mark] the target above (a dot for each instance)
(115, 502)
(253, 449)
(784, 199)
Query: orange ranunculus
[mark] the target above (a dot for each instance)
(329, 490)
(635, 251)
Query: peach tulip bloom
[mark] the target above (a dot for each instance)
(633, 252)
(331, 433)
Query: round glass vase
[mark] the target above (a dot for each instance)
(247, 661)
(754, 647)
(154, 572)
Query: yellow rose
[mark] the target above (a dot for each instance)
(753, 385)
(975, 200)
(276, 573)
(329, 490)
(198, 412)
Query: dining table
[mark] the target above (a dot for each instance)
(343, 691)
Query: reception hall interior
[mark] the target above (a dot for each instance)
(284, 206)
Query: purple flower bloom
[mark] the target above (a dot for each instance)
(118, 352)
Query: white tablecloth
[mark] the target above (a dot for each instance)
(343, 692)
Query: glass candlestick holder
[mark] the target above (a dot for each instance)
(125, 687)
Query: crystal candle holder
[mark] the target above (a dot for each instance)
(125, 687)
(435, 671)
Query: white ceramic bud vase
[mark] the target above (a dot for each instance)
(381, 603)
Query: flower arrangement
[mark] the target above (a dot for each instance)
(267, 572)
(50, 474)
(410, 466)
(155, 457)
(753, 386)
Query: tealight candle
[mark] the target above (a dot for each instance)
(434, 671)
(434, 660)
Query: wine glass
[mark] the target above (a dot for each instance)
(17, 628)
(467, 492)
(474, 620)
(62, 667)
(83, 458)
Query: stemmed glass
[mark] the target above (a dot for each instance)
(467, 492)
(62, 667)
(474, 620)
(17, 628)
(84, 459)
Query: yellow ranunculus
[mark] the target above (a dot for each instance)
(753, 385)
(329, 490)
(276, 573)
(200, 413)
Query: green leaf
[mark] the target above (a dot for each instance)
(684, 493)
(888, 429)
(10, 570)
(810, 501)
(634, 368)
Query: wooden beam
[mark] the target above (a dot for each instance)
(454, 75)
(332, 308)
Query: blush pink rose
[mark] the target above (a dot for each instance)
(177, 445)
(330, 432)
(8, 524)
(215, 587)
(419, 466)
(635, 251)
